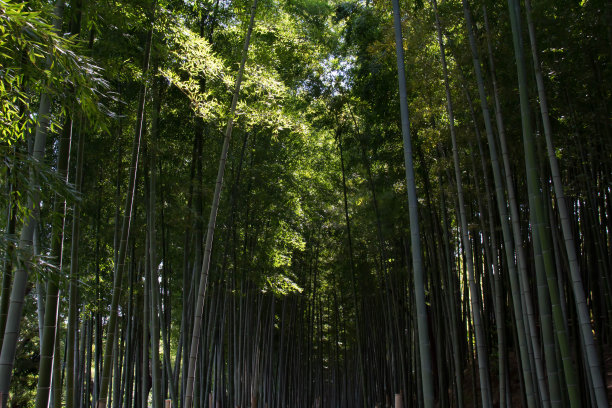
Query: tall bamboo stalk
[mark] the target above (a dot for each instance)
(153, 272)
(71, 339)
(415, 239)
(48, 341)
(199, 308)
(20, 280)
(483, 359)
(536, 205)
(586, 332)
(125, 233)
(511, 241)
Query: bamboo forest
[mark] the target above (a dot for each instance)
(305, 203)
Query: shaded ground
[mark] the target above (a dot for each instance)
(608, 371)
(471, 400)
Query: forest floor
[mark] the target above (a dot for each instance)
(470, 392)
(607, 352)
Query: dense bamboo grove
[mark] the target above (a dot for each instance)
(306, 203)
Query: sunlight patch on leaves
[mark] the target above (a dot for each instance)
(193, 62)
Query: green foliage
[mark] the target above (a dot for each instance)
(13, 122)
(31, 50)
(191, 60)
(14, 24)
(281, 285)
